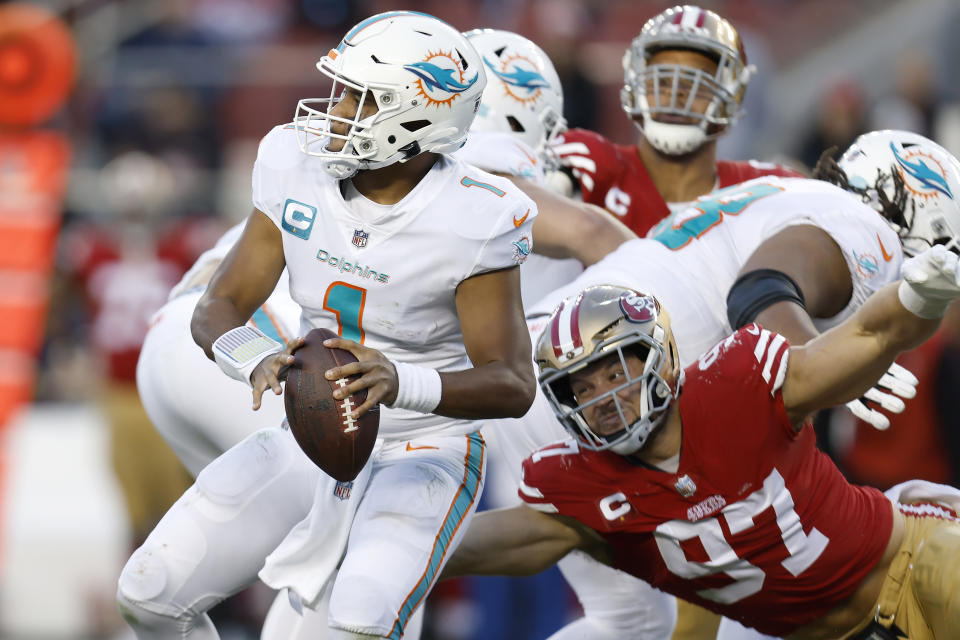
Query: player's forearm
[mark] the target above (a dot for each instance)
(789, 320)
(600, 233)
(568, 229)
(213, 317)
(493, 390)
(884, 320)
(508, 542)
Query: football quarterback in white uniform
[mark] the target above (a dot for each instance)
(411, 256)
(721, 241)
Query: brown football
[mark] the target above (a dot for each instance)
(338, 445)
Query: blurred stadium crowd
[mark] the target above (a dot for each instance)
(170, 100)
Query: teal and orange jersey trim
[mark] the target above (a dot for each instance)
(264, 320)
(463, 502)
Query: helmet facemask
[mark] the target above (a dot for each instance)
(598, 332)
(666, 91)
(655, 393)
(315, 126)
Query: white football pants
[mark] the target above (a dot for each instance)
(214, 540)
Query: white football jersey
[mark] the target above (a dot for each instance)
(691, 264)
(390, 282)
(505, 153)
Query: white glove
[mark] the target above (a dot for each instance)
(897, 381)
(930, 282)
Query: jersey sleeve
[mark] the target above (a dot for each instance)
(542, 482)
(591, 158)
(744, 374)
(734, 172)
(509, 240)
(277, 155)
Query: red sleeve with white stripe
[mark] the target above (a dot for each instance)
(754, 357)
(591, 158)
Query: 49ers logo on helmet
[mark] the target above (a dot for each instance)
(638, 309)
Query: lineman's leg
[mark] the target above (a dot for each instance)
(615, 604)
(414, 512)
(936, 579)
(214, 539)
(199, 411)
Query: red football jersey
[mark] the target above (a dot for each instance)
(756, 524)
(612, 176)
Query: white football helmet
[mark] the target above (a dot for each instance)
(691, 28)
(912, 181)
(425, 77)
(523, 94)
(603, 322)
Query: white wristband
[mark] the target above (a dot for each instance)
(418, 388)
(241, 349)
(920, 305)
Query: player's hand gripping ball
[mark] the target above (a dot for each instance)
(337, 443)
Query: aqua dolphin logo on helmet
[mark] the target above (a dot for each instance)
(922, 173)
(521, 78)
(438, 77)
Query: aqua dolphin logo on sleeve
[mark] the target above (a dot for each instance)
(521, 249)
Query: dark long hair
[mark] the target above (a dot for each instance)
(893, 209)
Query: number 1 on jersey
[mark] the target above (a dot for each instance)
(346, 301)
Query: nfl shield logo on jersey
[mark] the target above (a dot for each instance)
(342, 490)
(360, 237)
(686, 486)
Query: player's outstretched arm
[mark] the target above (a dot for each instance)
(520, 541)
(812, 260)
(843, 363)
(566, 228)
